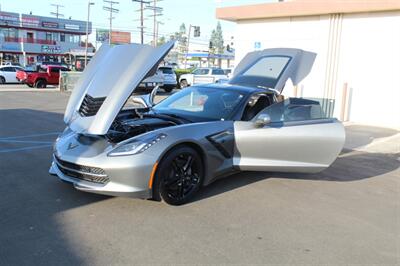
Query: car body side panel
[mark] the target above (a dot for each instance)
(308, 147)
(129, 175)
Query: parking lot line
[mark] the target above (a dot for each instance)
(25, 148)
(25, 141)
(29, 136)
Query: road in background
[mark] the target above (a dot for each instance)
(348, 214)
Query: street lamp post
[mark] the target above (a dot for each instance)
(87, 31)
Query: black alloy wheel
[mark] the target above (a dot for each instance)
(180, 175)
(40, 84)
(183, 83)
(2, 80)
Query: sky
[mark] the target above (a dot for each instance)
(195, 12)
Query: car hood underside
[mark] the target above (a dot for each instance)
(107, 82)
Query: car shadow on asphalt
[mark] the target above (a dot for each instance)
(350, 166)
(33, 204)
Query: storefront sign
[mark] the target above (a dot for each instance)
(11, 46)
(120, 37)
(30, 21)
(48, 24)
(71, 27)
(53, 49)
(8, 19)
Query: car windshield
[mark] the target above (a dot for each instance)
(201, 104)
(166, 70)
(201, 71)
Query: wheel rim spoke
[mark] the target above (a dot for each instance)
(183, 176)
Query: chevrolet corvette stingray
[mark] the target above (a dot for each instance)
(169, 150)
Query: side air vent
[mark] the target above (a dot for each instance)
(90, 106)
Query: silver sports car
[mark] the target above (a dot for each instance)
(171, 149)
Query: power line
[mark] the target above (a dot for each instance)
(57, 13)
(111, 10)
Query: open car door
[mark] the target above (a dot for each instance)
(295, 135)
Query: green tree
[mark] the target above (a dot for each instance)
(217, 41)
(161, 41)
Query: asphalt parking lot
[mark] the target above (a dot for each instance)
(348, 214)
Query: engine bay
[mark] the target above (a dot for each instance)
(128, 125)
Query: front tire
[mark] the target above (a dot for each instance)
(183, 83)
(180, 175)
(2, 80)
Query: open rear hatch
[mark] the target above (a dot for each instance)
(107, 82)
(271, 68)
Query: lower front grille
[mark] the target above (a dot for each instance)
(87, 173)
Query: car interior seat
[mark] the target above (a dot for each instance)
(251, 111)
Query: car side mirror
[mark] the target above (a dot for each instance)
(262, 120)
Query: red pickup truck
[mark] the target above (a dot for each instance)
(49, 75)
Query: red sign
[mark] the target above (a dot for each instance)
(30, 21)
(120, 37)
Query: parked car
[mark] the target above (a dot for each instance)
(201, 76)
(8, 74)
(49, 75)
(49, 63)
(228, 72)
(11, 64)
(169, 77)
(171, 149)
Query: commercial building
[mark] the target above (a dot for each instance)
(358, 47)
(28, 39)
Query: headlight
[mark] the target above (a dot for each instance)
(135, 146)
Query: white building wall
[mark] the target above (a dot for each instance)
(366, 57)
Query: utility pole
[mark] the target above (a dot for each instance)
(111, 10)
(156, 12)
(87, 30)
(157, 29)
(141, 18)
(57, 13)
(187, 45)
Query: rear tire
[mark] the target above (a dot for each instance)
(179, 175)
(2, 80)
(41, 84)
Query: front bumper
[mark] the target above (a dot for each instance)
(108, 185)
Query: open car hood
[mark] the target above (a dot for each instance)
(107, 82)
(271, 68)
